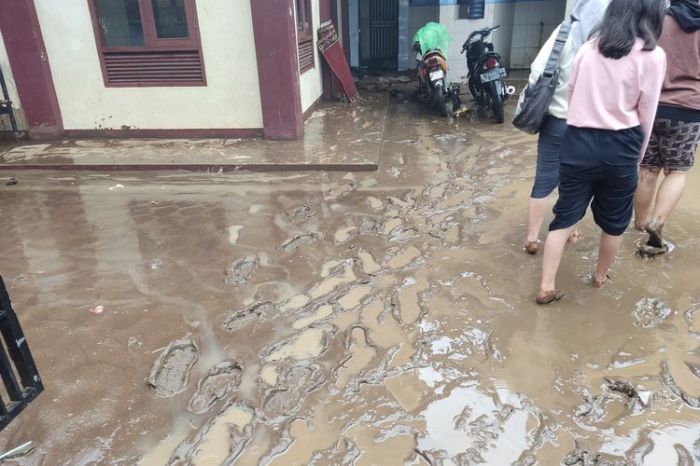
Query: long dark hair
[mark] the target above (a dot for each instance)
(627, 20)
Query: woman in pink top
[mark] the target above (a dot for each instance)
(613, 94)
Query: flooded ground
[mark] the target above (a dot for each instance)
(345, 319)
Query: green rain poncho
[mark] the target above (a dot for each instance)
(432, 36)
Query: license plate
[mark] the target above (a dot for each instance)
(439, 74)
(493, 75)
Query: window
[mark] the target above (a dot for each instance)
(471, 9)
(148, 42)
(305, 38)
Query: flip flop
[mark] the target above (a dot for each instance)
(550, 297)
(601, 284)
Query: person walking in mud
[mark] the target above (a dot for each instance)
(613, 96)
(586, 15)
(676, 131)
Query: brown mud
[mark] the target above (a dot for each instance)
(346, 319)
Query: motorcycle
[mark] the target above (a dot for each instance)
(432, 80)
(486, 73)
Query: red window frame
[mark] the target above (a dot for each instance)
(152, 43)
(305, 36)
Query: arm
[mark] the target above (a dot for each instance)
(652, 82)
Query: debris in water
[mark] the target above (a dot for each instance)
(633, 392)
(133, 343)
(99, 309)
(16, 452)
(239, 319)
(11, 182)
(299, 240)
(215, 385)
(670, 383)
(171, 371)
(116, 186)
(650, 312)
(240, 271)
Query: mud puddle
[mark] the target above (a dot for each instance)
(332, 319)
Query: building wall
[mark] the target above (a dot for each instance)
(533, 23)
(231, 98)
(418, 16)
(311, 82)
(495, 13)
(525, 26)
(12, 91)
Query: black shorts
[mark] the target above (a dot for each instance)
(672, 145)
(599, 165)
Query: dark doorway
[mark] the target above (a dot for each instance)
(379, 34)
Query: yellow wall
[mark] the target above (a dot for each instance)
(231, 98)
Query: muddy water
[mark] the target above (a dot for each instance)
(345, 319)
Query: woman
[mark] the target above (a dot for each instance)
(586, 15)
(676, 131)
(613, 95)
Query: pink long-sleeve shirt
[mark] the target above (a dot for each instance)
(605, 93)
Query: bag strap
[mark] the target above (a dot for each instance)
(557, 49)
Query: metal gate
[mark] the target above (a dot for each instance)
(19, 375)
(384, 34)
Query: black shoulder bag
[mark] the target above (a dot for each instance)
(535, 99)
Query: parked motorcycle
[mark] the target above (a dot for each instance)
(486, 73)
(432, 81)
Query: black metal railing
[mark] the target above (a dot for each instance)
(17, 369)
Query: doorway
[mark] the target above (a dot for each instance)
(379, 34)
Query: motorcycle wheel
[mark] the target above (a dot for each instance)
(495, 101)
(473, 89)
(441, 101)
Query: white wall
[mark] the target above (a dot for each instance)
(311, 82)
(460, 29)
(533, 22)
(12, 91)
(231, 98)
(418, 16)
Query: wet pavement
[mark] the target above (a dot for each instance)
(358, 131)
(345, 318)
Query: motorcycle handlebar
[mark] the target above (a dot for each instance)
(483, 32)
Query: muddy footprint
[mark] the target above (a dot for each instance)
(171, 371)
(216, 384)
(299, 381)
(240, 271)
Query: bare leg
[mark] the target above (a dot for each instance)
(644, 196)
(606, 255)
(669, 194)
(553, 249)
(537, 209)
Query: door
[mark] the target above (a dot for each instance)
(382, 49)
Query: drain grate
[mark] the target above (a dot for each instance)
(20, 378)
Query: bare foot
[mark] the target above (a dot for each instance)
(531, 247)
(574, 237)
(600, 282)
(548, 297)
